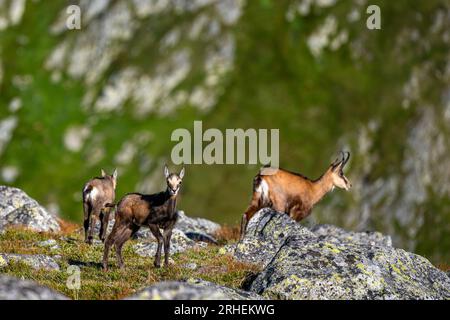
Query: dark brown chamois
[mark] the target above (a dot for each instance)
(98, 199)
(293, 193)
(155, 211)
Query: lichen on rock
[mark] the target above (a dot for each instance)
(36, 261)
(334, 264)
(266, 233)
(192, 289)
(15, 289)
(18, 209)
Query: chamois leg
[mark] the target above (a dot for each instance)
(249, 213)
(104, 223)
(167, 235)
(109, 242)
(94, 214)
(122, 236)
(87, 215)
(155, 230)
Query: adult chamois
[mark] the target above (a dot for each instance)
(293, 193)
(98, 199)
(155, 211)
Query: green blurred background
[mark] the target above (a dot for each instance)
(109, 95)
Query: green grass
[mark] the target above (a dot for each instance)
(138, 273)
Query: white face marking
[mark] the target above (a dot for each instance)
(173, 184)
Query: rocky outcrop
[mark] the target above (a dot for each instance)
(16, 289)
(36, 261)
(266, 233)
(335, 234)
(17, 208)
(178, 243)
(329, 263)
(197, 229)
(192, 289)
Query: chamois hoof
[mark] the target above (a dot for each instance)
(88, 241)
(157, 265)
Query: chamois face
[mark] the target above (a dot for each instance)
(112, 177)
(337, 175)
(173, 181)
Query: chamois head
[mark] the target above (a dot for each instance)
(112, 177)
(173, 181)
(337, 174)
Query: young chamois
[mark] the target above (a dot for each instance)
(98, 199)
(293, 193)
(155, 211)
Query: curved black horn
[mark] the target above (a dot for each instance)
(346, 158)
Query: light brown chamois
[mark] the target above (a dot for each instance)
(98, 199)
(155, 211)
(293, 193)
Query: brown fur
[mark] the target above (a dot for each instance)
(155, 211)
(293, 193)
(98, 199)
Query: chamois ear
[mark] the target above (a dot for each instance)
(103, 173)
(166, 171)
(114, 175)
(182, 173)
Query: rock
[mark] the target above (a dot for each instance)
(178, 243)
(266, 233)
(50, 243)
(196, 226)
(17, 208)
(336, 234)
(197, 229)
(16, 289)
(36, 261)
(325, 266)
(97, 226)
(192, 289)
(196, 236)
(190, 266)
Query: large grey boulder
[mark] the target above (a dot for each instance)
(334, 265)
(17, 208)
(266, 233)
(16, 289)
(192, 289)
(36, 261)
(336, 234)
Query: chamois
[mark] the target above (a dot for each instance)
(293, 193)
(155, 211)
(98, 199)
